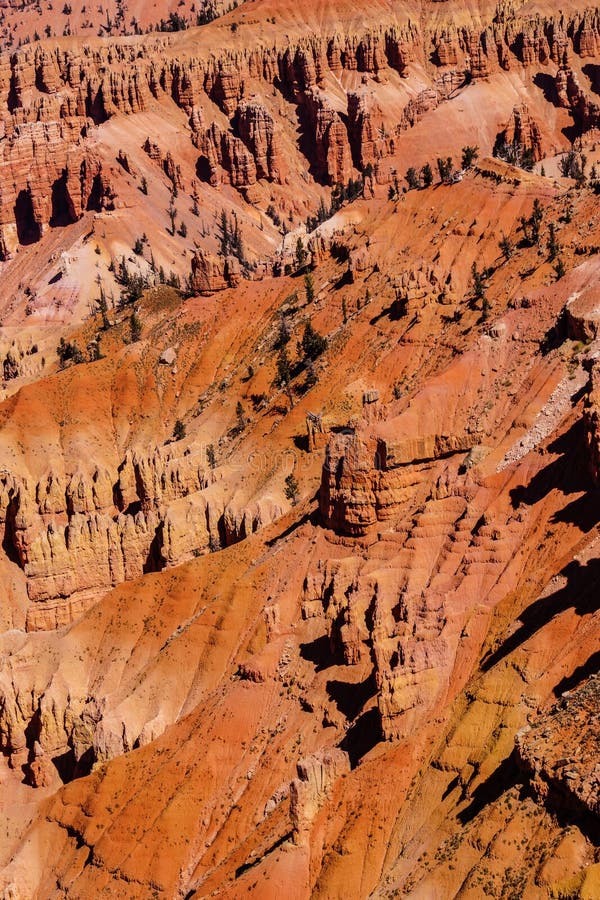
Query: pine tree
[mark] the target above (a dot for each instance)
(427, 175)
(506, 247)
(413, 179)
(136, 327)
(292, 489)
(309, 287)
(469, 155)
(210, 456)
(553, 245)
(300, 253)
(241, 419)
(224, 226)
(313, 343)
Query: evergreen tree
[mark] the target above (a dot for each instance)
(309, 287)
(505, 246)
(300, 253)
(313, 343)
(469, 155)
(427, 175)
(210, 456)
(292, 489)
(136, 327)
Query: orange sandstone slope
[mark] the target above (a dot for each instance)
(381, 678)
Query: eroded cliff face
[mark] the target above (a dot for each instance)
(56, 96)
(76, 537)
(370, 679)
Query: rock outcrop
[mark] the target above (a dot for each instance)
(79, 535)
(55, 96)
(212, 273)
(592, 418)
(523, 131)
(559, 751)
(308, 792)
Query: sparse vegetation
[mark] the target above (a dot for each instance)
(531, 227)
(135, 325)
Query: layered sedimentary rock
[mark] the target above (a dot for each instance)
(55, 95)
(308, 792)
(364, 478)
(171, 169)
(50, 177)
(523, 131)
(78, 535)
(332, 160)
(367, 131)
(257, 129)
(212, 273)
(571, 96)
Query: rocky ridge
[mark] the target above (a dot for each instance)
(56, 96)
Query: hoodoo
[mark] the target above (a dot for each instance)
(299, 450)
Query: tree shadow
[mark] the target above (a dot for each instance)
(580, 593)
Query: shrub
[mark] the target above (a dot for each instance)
(210, 456)
(427, 175)
(413, 179)
(68, 351)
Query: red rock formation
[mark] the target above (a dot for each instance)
(558, 751)
(165, 161)
(523, 131)
(258, 131)
(225, 156)
(367, 130)
(592, 419)
(308, 792)
(212, 273)
(331, 158)
(571, 96)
